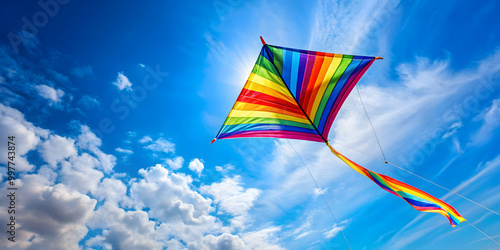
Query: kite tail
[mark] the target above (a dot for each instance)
(417, 198)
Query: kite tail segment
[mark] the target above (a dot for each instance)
(417, 198)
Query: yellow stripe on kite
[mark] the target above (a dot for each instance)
(263, 114)
(337, 58)
(268, 91)
(243, 106)
(273, 85)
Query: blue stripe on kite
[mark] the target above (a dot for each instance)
(287, 62)
(336, 91)
(229, 130)
(300, 77)
(295, 71)
(422, 204)
(265, 54)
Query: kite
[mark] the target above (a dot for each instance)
(296, 94)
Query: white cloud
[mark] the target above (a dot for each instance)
(224, 241)
(453, 129)
(262, 239)
(175, 163)
(233, 199)
(159, 145)
(122, 82)
(162, 209)
(491, 121)
(47, 92)
(320, 191)
(53, 216)
(224, 169)
(111, 190)
(124, 229)
(57, 148)
(169, 196)
(89, 141)
(196, 166)
(26, 136)
(124, 151)
(89, 101)
(145, 139)
(80, 172)
(344, 24)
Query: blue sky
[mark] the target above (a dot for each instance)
(113, 105)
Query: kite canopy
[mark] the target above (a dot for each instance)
(293, 94)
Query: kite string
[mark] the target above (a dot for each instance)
(373, 129)
(483, 233)
(408, 171)
(321, 193)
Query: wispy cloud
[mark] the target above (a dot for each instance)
(159, 145)
(124, 151)
(82, 71)
(491, 121)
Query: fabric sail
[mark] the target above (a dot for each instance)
(293, 94)
(296, 94)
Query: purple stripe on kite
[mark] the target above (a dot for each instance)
(307, 74)
(335, 94)
(275, 134)
(300, 77)
(228, 129)
(362, 69)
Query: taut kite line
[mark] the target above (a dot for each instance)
(296, 94)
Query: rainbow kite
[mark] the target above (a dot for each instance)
(296, 94)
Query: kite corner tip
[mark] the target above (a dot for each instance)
(262, 40)
(213, 140)
(378, 58)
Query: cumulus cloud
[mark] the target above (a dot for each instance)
(27, 136)
(175, 163)
(90, 142)
(157, 210)
(57, 148)
(47, 92)
(196, 166)
(233, 199)
(53, 216)
(123, 229)
(159, 145)
(122, 82)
